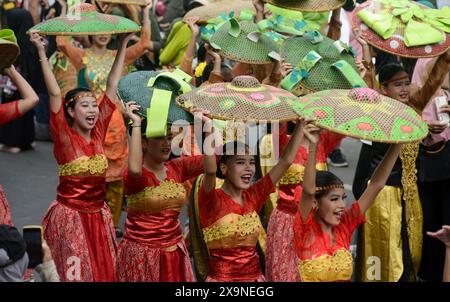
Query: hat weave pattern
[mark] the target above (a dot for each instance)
(243, 99)
(308, 5)
(323, 73)
(85, 20)
(363, 113)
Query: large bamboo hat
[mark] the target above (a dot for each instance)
(319, 63)
(308, 5)
(404, 28)
(85, 20)
(363, 113)
(156, 92)
(244, 99)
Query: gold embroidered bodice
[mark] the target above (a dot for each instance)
(85, 166)
(97, 69)
(294, 175)
(326, 268)
(168, 195)
(233, 230)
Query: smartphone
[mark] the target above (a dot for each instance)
(32, 234)
(442, 116)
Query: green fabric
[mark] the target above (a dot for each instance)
(8, 36)
(295, 22)
(176, 44)
(423, 26)
(301, 71)
(350, 74)
(157, 113)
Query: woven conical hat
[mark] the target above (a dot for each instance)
(243, 99)
(395, 44)
(363, 113)
(85, 20)
(308, 5)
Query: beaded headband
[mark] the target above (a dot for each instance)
(326, 188)
(79, 96)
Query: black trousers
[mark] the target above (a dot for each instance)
(435, 198)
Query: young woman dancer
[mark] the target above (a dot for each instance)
(153, 248)
(229, 215)
(78, 225)
(323, 227)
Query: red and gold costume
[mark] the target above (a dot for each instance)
(281, 259)
(78, 226)
(319, 259)
(94, 69)
(152, 248)
(231, 232)
(8, 112)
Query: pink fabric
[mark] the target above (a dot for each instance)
(281, 258)
(5, 216)
(421, 73)
(138, 262)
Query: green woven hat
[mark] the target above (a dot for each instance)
(9, 50)
(363, 113)
(221, 7)
(245, 42)
(130, 2)
(156, 92)
(319, 63)
(85, 20)
(308, 5)
(244, 99)
(404, 28)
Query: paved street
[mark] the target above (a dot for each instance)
(30, 179)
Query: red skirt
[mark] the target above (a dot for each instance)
(141, 262)
(83, 245)
(5, 216)
(281, 258)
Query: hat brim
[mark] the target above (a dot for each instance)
(309, 5)
(248, 51)
(214, 9)
(387, 121)
(94, 24)
(225, 101)
(395, 45)
(129, 2)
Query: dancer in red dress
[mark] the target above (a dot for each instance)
(152, 248)
(9, 112)
(78, 225)
(229, 215)
(323, 228)
(281, 258)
